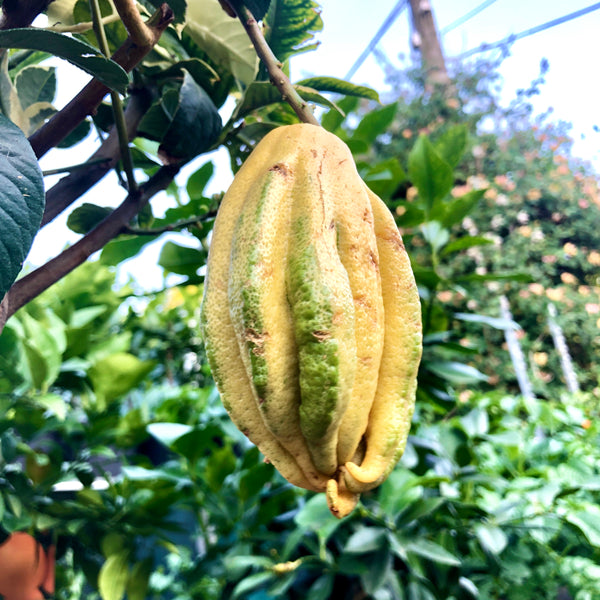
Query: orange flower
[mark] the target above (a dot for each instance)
(594, 258)
(540, 358)
(592, 309)
(568, 278)
(407, 134)
(570, 249)
(534, 194)
(555, 294)
(536, 288)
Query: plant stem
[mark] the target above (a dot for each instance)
(117, 105)
(88, 99)
(33, 284)
(139, 32)
(278, 77)
(171, 227)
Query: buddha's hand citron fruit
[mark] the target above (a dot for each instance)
(311, 316)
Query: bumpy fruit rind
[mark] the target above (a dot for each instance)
(311, 316)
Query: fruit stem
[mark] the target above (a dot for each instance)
(278, 77)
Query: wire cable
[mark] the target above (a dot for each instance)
(466, 16)
(517, 36)
(387, 23)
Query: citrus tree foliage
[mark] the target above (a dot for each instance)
(113, 438)
(537, 217)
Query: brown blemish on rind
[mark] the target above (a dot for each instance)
(281, 168)
(322, 335)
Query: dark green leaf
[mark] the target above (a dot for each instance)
(322, 587)
(85, 217)
(251, 583)
(36, 84)
(339, 86)
(374, 123)
(22, 201)
(429, 172)
(75, 51)
(184, 121)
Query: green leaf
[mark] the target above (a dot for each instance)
(432, 551)
(588, 522)
(112, 579)
(429, 172)
(199, 179)
(222, 38)
(457, 373)
(123, 248)
(36, 84)
(75, 51)
(85, 217)
(184, 121)
(321, 588)
(464, 242)
(22, 200)
(250, 583)
(366, 539)
(137, 583)
(181, 259)
(117, 374)
(290, 25)
(384, 178)
(435, 234)
(257, 95)
(452, 143)
(339, 86)
(491, 538)
(494, 322)
(316, 516)
(457, 209)
(333, 119)
(374, 123)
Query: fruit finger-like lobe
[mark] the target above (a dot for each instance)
(260, 312)
(322, 310)
(310, 316)
(219, 335)
(393, 405)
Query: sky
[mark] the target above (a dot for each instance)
(572, 87)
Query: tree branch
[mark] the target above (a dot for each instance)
(171, 226)
(139, 32)
(70, 188)
(88, 99)
(278, 77)
(33, 284)
(21, 13)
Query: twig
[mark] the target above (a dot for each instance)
(71, 187)
(278, 77)
(88, 99)
(33, 284)
(71, 168)
(171, 227)
(117, 105)
(83, 26)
